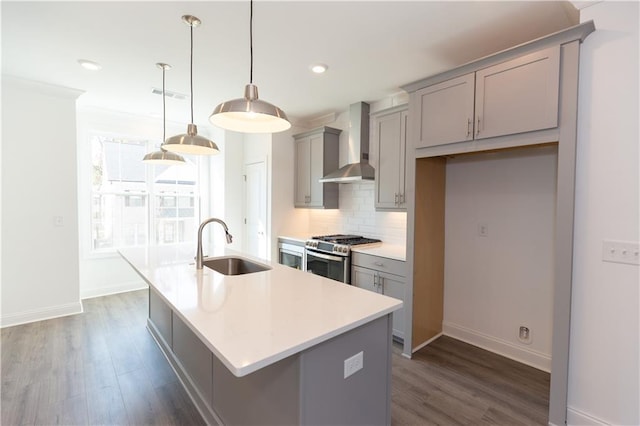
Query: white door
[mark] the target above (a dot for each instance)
(255, 209)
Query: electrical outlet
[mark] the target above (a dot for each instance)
(621, 252)
(483, 230)
(524, 335)
(58, 221)
(353, 364)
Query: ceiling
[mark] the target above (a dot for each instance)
(371, 48)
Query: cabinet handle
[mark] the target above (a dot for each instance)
(381, 283)
(401, 197)
(478, 129)
(396, 199)
(469, 124)
(378, 263)
(375, 280)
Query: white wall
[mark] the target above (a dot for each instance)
(604, 372)
(230, 208)
(496, 283)
(39, 259)
(285, 219)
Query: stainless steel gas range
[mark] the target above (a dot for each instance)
(330, 255)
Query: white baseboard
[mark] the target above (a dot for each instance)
(527, 356)
(41, 314)
(576, 417)
(113, 289)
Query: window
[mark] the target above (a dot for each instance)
(136, 204)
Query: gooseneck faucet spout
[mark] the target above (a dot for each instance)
(200, 229)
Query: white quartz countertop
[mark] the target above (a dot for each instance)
(251, 321)
(390, 251)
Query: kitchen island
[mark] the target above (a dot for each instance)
(279, 346)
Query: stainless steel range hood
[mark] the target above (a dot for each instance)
(358, 168)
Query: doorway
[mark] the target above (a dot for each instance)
(255, 209)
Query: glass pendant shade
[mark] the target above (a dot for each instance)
(191, 143)
(250, 114)
(163, 157)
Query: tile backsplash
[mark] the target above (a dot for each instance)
(357, 215)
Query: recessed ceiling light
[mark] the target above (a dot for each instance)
(89, 65)
(319, 68)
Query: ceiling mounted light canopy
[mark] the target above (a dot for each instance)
(250, 114)
(163, 156)
(318, 68)
(191, 142)
(89, 65)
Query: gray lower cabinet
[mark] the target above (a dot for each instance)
(194, 357)
(307, 388)
(160, 315)
(382, 275)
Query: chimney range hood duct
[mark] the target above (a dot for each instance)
(358, 168)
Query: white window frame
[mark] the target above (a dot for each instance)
(151, 193)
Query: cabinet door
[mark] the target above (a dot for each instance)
(364, 278)
(160, 316)
(303, 172)
(393, 286)
(404, 122)
(316, 170)
(389, 151)
(445, 112)
(518, 96)
(195, 357)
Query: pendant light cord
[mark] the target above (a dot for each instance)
(251, 41)
(191, 72)
(164, 111)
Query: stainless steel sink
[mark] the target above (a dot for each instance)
(230, 265)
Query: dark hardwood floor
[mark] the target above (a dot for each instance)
(103, 367)
(450, 382)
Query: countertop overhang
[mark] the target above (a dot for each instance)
(254, 320)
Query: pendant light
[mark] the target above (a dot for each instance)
(250, 114)
(163, 156)
(191, 142)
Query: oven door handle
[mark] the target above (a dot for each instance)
(325, 256)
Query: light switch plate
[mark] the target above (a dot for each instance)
(621, 252)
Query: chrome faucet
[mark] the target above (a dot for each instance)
(200, 229)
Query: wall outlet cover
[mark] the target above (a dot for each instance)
(353, 364)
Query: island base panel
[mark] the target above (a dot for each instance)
(305, 388)
(269, 396)
(362, 398)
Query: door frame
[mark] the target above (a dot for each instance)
(264, 161)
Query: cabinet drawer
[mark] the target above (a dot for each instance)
(382, 264)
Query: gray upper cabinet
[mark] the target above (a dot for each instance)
(389, 137)
(316, 156)
(518, 96)
(515, 96)
(446, 112)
